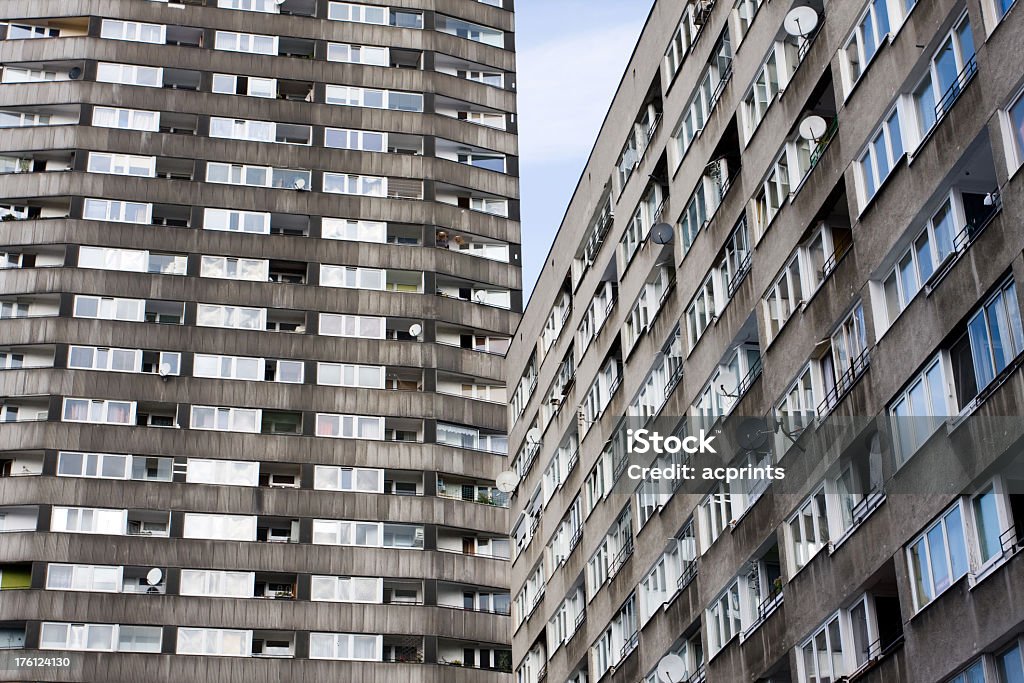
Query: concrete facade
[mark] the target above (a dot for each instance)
(233, 230)
(818, 578)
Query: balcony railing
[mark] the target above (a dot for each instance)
(620, 559)
(629, 645)
(845, 382)
(955, 89)
(966, 237)
(688, 574)
(823, 143)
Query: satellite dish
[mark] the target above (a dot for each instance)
(415, 329)
(662, 233)
(507, 481)
(154, 576)
(800, 21)
(752, 433)
(75, 73)
(164, 370)
(299, 184)
(480, 296)
(728, 383)
(533, 436)
(813, 127)
(671, 669)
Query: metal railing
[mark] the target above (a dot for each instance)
(688, 574)
(966, 237)
(629, 645)
(823, 143)
(741, 274)
(620, 559)
(845, 382)
(955, 89)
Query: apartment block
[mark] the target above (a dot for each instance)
(805, 213)
(259, 267)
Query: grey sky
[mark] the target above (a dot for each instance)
(571, 55)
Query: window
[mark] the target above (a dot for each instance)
(99, 358)
(228, 367)
(920, 408)
(221, 642)
(861, 47)
(139, 638)
(132, 30)
(347, 589)
(83, 577)
(743, 13)
(679, 47)
(595, 315)
(365, 14)
(227, 268)
(222, 472)
(130, 74)
(845, 358)
(771, 79)
(242, 129)
(122, 164)
(360, 326)
(1009, 665)
(941, 86)
(89, 520)
(991, 518)
(362, 140)
(30, 32)
(98, 412)
(724, 622)
(475, 32)
(880, 157)
(351, 277)
(358, 479)
(349, 375)
(358, 54)
(236, 221)
(232, 317)
(349, 426)
(807, 531)
(348, 646)
(938, 558)
(1014, 130)
(230, 84)
(245, 42)
(784, 298)
(100, 465)
(378, 99)
(923, 258)
(117, 212)
(696, 113)
(797, 409)
(220, 527)
(220, 584)
(126, 119)
(644, 218)
(992, 340)
(821, 657)
(226, 419)
(78, 637)
(338, 532)
(702, 311)
(268, 6)
(975, 673)
(772, 196)
(354, 230)
(347, 183)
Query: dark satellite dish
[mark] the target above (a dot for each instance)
(752, 433)
(75, 73)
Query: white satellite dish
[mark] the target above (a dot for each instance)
(728, 383)
(300, 183)
(813, 127)
(480, 296)
(415, 329)
(507, 481)
(800, 21)
(533, 436)
(671, 669)
(164, 370)
(154, 576)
